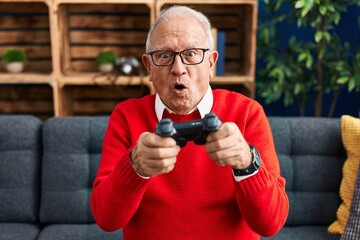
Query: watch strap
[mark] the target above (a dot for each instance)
(253, 167)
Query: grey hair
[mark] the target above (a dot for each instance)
(176, 11)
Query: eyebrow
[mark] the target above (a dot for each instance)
(172, 50)
(167, 48)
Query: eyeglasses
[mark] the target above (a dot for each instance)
(192, 56)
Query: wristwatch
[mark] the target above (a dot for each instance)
(254, 166)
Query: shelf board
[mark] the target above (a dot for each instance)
(235, 79)
(28, 1)
(104, 1)
(103, 79)
(160, 2)
(30, 78)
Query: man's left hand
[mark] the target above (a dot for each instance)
(227, 147)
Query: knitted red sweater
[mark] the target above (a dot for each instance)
(197, 200)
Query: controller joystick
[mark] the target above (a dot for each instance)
(196, 130)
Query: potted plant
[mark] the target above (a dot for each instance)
(14, 59)
(304, 71)
(106, 60)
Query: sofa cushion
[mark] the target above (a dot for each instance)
(71, 155)
(20, 158)
(350, 127)
(303, 233)
(19, 231)
(311, 156)
(77, 232)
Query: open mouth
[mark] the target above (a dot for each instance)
(179, 87)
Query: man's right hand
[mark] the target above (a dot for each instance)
(154, 155)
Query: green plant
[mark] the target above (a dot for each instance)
(323, 65)
(105, 57)
(13, 55)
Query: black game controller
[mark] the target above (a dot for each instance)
(196, 130)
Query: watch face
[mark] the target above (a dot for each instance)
(256, 155)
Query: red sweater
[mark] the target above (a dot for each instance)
(197, 200)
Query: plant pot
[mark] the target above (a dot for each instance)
(106, 68)
(15, 67)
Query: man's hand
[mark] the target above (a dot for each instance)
(227, 147)
(154, 155)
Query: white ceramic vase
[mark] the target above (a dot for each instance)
(106, 68)
(15, 67)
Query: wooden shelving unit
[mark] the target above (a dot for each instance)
(84, 29)
(63, 37)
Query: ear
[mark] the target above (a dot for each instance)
(146, 61)
(212, 60)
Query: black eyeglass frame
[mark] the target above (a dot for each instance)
(181, 57)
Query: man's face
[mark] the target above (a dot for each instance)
(180, 86)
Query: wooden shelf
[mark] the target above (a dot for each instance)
(63, 37)
(26, 78)
(105, 79)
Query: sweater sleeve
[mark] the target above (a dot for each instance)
(117, 189)
(262, 198)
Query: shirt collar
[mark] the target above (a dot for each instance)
(204, 105)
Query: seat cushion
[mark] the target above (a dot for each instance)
(303, 233)
(18, 231)
(77, 232)
(20, 159)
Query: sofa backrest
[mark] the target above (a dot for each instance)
(20, 157)
(311, 157)
(310, 151)
(72, 148)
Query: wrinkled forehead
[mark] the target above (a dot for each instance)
(178, 32)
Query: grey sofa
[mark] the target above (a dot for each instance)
(47, 169)
(46, 174)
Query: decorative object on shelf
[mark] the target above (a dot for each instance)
(106, 60)
(127, 65)
(14, 59)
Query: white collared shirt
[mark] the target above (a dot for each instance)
(204, 105)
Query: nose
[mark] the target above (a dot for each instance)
(178, 68)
